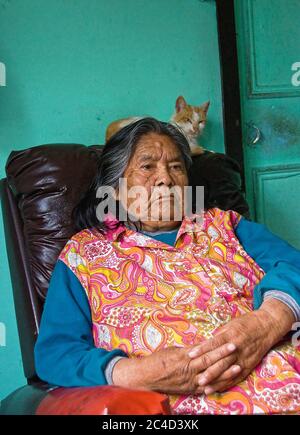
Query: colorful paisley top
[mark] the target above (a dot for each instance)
(145, 295)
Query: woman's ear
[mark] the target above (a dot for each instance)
(180, 104)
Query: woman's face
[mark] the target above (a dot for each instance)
(156, 167)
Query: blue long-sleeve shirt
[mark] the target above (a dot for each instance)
(65, 353)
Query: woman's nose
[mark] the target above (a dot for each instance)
(163, 178)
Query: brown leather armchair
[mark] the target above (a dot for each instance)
(42, 186)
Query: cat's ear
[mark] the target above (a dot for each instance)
(180, 104)
(205, 106)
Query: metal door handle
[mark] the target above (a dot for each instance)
(257, 136)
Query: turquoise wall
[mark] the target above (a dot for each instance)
(72, 66)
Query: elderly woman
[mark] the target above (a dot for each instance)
(197, 306)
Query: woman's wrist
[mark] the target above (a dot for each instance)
(127, 373)
(110, 367)
(278, 319)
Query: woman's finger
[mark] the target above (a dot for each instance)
(232, 378)
(215, 375)
(210, 345)
(224, 356)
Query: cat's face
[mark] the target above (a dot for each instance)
(191, 119)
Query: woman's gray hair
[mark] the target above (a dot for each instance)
(115, 158)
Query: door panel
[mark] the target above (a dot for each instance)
(276, 191)
(271, 31)
(269, 64)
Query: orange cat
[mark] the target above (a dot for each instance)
(115, 126)
(190, 119)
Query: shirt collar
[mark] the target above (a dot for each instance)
(190, 224)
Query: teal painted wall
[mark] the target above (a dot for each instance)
(72, 66)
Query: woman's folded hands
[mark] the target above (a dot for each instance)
(253, 335)
(172, 370)
(214, 365)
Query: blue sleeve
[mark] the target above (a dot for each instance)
(279, 260)
(65, 354)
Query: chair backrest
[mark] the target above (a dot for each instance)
(43, 185)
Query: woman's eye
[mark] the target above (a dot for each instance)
(176, 167)
(147, 167)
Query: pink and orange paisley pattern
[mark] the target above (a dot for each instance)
(146, 295)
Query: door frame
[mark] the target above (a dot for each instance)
(230, 82)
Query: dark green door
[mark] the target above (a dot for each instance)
(268, 35)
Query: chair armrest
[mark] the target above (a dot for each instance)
(103, 400)
(25, 400)
(42, 399)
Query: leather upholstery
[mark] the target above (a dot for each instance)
(24, 400)
(221, 178)
(105, 400)
(47, 182)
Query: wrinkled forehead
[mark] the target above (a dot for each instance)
(154, 146)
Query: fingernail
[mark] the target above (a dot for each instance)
(192, 353)
(236, 369)
(202, 381)
(208, 390)
(231, 347)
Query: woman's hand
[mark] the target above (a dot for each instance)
(253, 334)
(214, 365)
(172, 370)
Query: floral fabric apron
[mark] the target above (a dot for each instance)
(145, 295)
